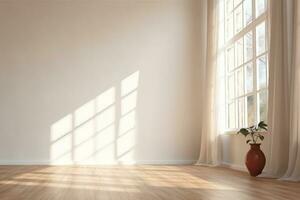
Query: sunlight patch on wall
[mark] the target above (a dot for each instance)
(128, 103)
(129, 84)
(101, 130)
(105, 99)
(127, 124)
(61, 140)
(61, 128)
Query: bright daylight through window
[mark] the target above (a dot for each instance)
(242, 61)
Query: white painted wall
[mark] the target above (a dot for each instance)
(98, 81)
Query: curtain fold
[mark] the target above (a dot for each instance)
(209, 151)
(278, 119)
(283, 160)
(293, 171)
(284, 90)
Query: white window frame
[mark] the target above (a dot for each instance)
(222, 50)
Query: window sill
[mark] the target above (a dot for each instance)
(234, 132)
(229, 132)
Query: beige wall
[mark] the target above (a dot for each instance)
(98, 81)
(63, 65)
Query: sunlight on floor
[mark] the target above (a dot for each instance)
(114, 178)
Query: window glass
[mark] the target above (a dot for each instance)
(238, 18)
(247, 11)
(250, 110)
(248, 47)
(260, 7)
(239, 52)
(249, 78)
(242, 61)
(262, 105)
(260, 38)
(261, 72)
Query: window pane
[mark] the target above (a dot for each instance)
(239, 52)
(262, 99)
(221, 39)
(221, 10)
(221, 65)
(238, 18)
(237, 2)
(261, 63)
(229, 27)
(249, 77)
(229, 6)
(260, 7)
(231, 86)
(230, 58)
(260, 38)
(240, 81)
(248, 51)
(241, 112)
(247, 12)
(231, 115)
(250, 110)
(222, 91)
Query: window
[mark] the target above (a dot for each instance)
(243, 61)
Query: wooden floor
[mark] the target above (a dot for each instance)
(138, 182)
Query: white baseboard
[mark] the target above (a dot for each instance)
(19, 162)
(234, 166)
(139, 162)
(166, 162)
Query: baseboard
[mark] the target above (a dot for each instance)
(234, 166)
(166, 162)
(139, 162)
(19, 162)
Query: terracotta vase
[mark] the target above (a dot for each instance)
(255, 160)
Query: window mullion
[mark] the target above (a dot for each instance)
(254, 65)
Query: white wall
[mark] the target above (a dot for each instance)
(98, 81)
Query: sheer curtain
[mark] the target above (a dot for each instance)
(209, 151)
(284, 90)
(293, 171)
(278, 89)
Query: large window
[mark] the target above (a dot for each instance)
(242, 61)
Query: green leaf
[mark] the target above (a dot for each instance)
(244, 131)
(261, 137)
(260, 123)
(255, 129)
(266, 129)
(263, 125)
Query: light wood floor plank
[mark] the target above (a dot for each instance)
(143, 182)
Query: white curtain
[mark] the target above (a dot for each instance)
(278, 89)
(284, 90)
(209, 151)
(293, 171)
